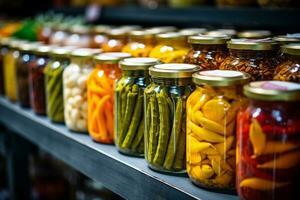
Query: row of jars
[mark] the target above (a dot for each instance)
(177, 122)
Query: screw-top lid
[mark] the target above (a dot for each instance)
(140, 34)
(16, 44)
(118, 33)
(273, 91)
(228, 32)
(255, 45)
(173, 70)
(161, 29)
(205, 39)
(171, 36)
(84, 53)
(101, 29)
(220, 78)
(291, 49)
(111, 57)
(29, 46)
(192, 31)
(80, 29)
(138, 63)
(130, 27)
(43, 49)
(61, 51)
(254, 34)
(288, 38)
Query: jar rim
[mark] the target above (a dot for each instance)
(111, 57)
(61, 51)
(221, 78)
(273, 91)
(139, 63)
(228, 32)
(43, 49)
(171, 36)
(84, 52)
(291, 49)
(252, 44)
(161, 29)
(173, 70)
(137, 34)
(204, 39)
(192, 31)
(254, 34)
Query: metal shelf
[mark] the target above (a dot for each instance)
(127, 176)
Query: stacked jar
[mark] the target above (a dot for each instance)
(37, 79)
(59, 60)
(268, 155)
(75, 89)
(211, 124)
(9, 64)
(100, 88)
(289, 70)
(22, 72)
(129, 102)
(165, 116)
(207, 51)
(140, 43)
(255, 57)
(171, 48)
(3, 51)
(117, 39)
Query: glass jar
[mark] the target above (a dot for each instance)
(99, 36)
(9, 64)
(223, 3)
(255, 57)
(59, 35)
(3, 51)
(117, 39)
(80, 37)
(37, 79)
(211, 121)
(290, 69)
(268, 142)
(254, 34)
(165, 116)
(284, 40)
(54, 83)
(75, 89)
(129, 96)
(140, 44)
(171, 48)
(101, 84)
(207, 51)
(22, 72)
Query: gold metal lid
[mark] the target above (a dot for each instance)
(101, 29)
(80, 29)
(161, 29)
(255, 45)
(140, 34)
(289, 38)
(291, 49)
(111, 57)
(171, 36)
(218, 32)
(192, 31)
(273, 91)
(117, 33)
(173, 70)
(16, 44)
(138, 63)
(83, 53)
(43, 49)
(61, 51)
(204, 39)
(130, 27)
(254, 34)
(28, 47)
(221, 78)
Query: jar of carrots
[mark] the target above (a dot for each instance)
(129, 120)
(100, 88)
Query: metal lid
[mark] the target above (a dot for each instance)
(140, 34)
(16, 44)
(171, 36)
(101, 29)
(130, 27)
(291, 49)
(273, 91)
(289, 38)
(117, 33)
(221, 78)
(161, 29)
(228, 32)
(254, 34)
(83, 53)
(173, 70)
(61, 51)
(28, 47)
(43, 49)
(205, 39)
(111, 57)
(192, 31)
(255, 45)
(80, 29)
(138, 63)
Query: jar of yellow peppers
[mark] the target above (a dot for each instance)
(171, 48)
(211, 123)
(140, 43)
(100, 95)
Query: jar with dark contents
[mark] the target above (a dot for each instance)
(37, 79)
(117, 39)
(268, 142)
(99, 36)
(207, 51)
(3, 51)
(255, 57)
(284, 40)
(254, 34)
(289, 70)
(22, 71)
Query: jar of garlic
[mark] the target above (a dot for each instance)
(75, 90)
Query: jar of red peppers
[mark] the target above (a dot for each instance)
(100, 96)
(289, 70)
(255, 57)
(22, 71)
(268, 145)
(37, 79)
(117, 39)
(207, 51)
(3, 51)
(211, 121)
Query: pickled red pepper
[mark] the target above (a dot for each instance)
(100, 89)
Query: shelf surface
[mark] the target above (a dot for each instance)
(127, 176)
